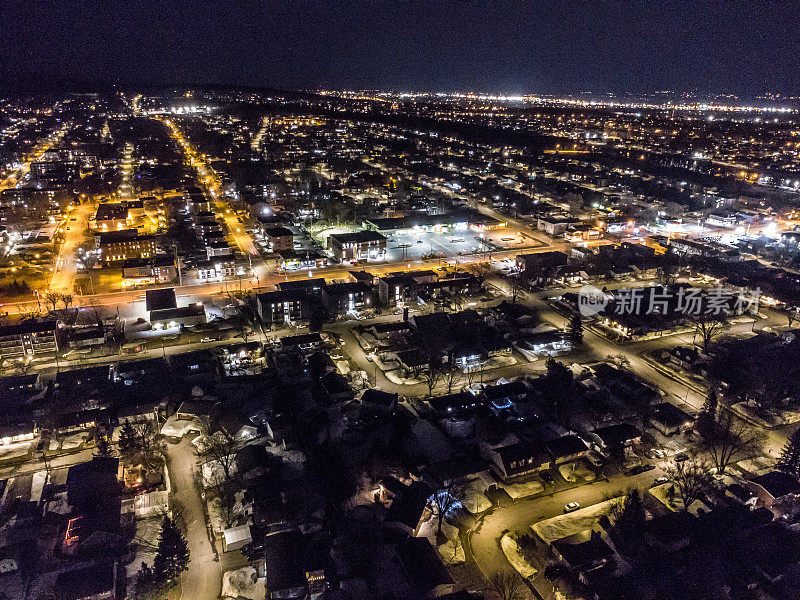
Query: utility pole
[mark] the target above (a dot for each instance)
(178, 264)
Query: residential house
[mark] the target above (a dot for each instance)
(777, 490)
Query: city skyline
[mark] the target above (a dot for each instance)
(402, 300)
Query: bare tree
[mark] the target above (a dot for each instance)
(707, 327)
(452, 376)
(66, 300)
(28, 311)
(240, 321)
(52, 299)
(430, 375)
(672, 264)
(514, 288)
(224, 490)
(507, 585)
(219, 447)
(97, 312)
(482, 270)
(727, 439)
(691, 480)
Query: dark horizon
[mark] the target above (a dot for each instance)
(553, 48)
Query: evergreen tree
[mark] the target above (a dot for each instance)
(630, 523)
(707, 420)
(789, 461)
(102, 445)
(128, 445)
(711, 404)
(559, 387)
(575, 332)
(172, 556)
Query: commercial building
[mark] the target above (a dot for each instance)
(141, 271)
(361, 245)
(185, 316)
(279, 239)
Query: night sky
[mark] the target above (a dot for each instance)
(555, 46)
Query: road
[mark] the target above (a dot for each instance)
(203, 579)
(74, 226)
(65, 460)
(126, 174)
(523, 513)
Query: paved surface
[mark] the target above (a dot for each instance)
(66, 263)
(203, 579)
(519, 516)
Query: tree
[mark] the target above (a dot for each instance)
(708, 415)
(691, 480)
(431, 374)
(482, 270)
(52, 299)
(172, 556)
(630, 521)
(97, 312)
(789, 462)
(318, 313)
(514, 288)
(140, 442)
(224, 492)
(670, 269)
(128, 444)
(575, 332)
(102, 445)
(240, 321)
(28, 311)
(507, 585)
(219, 447)
(444, 499)
(559, 386)
(452, 376)
(727, 439)
(707, 327)
(66, 300)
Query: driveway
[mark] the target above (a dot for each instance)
(203, 579)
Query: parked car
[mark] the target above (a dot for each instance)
(593, 458)
(571, 507)
(206, 340)
(660, 480)
(681, 457)
(641, 469)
